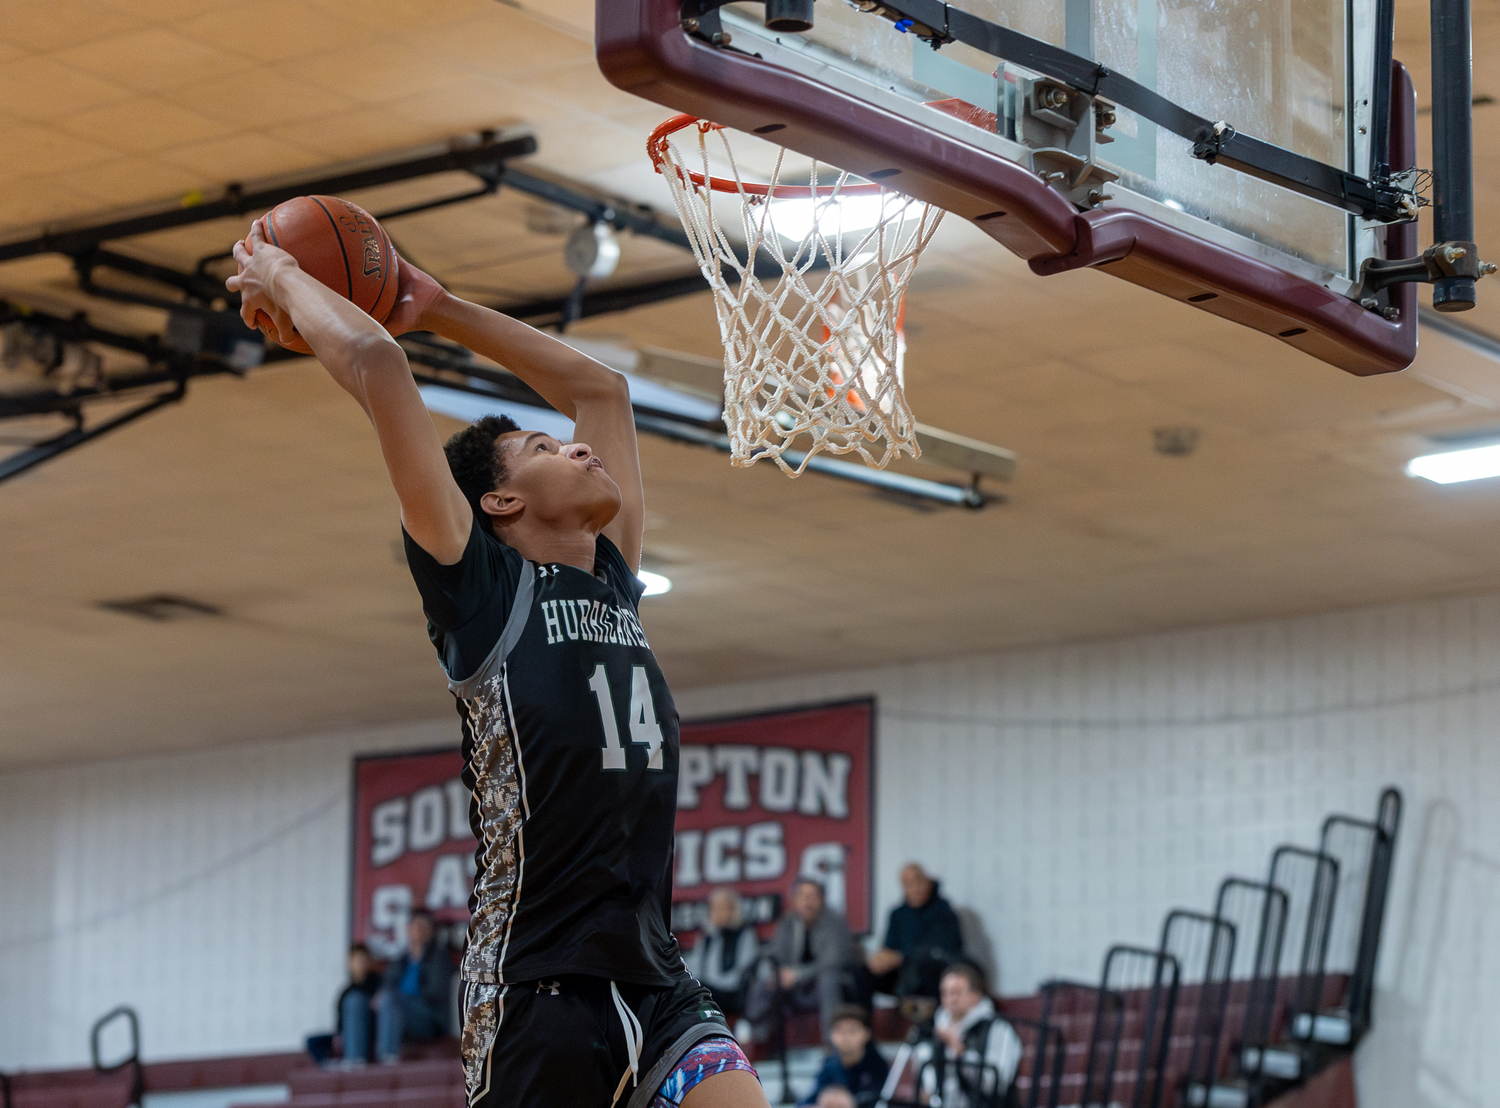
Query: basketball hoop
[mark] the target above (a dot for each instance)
(812, 348)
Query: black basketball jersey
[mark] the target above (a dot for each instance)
(570, 755)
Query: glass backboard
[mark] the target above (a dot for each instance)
(954, 124)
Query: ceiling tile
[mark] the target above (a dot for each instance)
(477, 102)
(364, 132)
(275, 30)
(39, 150)
(39, 88)
(135, 180)
(144, 124)
(403, 15)
(63, 23)
(509, 48)
(153, 59)
(376, 73)
(29, 201)
(244, 157)
(259, 99)
(171, 11)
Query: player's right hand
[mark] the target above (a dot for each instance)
(260, 262)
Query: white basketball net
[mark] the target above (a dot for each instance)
(812, 352)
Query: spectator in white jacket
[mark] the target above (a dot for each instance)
(972, 1058)
(725, 952)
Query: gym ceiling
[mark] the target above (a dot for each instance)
(261, 496)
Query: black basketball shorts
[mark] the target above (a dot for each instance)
(569, 1041)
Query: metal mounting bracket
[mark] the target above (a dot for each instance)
(1064, 127)
(1439, 261)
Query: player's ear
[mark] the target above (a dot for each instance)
(502, 506)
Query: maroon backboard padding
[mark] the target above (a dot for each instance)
(642, 49)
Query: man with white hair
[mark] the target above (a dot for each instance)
(726, 951)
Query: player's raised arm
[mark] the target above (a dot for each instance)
(591, 394)
(371, 366)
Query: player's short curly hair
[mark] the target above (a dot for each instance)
(477, 465)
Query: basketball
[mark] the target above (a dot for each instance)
(341, 245)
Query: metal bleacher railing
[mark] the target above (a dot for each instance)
(1204, 947)
(1091, 1020)
(132, 1058)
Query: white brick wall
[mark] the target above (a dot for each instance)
(209, 890)
(1073, 795)
(1070, 795)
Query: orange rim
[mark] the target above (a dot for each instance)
(660, 139)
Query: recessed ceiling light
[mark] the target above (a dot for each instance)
(655, 583)
(1452, 466)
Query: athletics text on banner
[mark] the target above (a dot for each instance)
(764, 799)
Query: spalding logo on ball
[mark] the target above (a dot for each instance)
(341, 245)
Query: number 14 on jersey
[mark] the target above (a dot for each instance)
(643, 726)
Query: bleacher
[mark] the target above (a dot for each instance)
(1232, 1009)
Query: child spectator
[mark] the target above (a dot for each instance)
(855, 1065)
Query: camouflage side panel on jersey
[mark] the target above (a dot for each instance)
(496, 811)
(483, 1007)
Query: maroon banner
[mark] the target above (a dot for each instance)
(764, 799)
(412, 847)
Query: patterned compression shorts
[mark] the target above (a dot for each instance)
(708, 1057)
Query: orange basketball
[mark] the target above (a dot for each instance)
(341, 245)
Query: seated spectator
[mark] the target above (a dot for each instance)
(355, 1014)
(854, 1065)
(725, 953)
(971, 1060)
(836, 1096)
(921, 938)
(412, 1005)
(815, 965)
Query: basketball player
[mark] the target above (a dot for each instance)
(525, 549)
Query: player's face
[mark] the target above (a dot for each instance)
(562, 483)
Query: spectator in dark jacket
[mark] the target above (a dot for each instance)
(415, 996)
(854, 1064)
(921, 938)
(354, 1014)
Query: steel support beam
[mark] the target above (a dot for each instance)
(1452, 146)
(491, 152)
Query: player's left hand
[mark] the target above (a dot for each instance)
(259, 263)
(416, 292)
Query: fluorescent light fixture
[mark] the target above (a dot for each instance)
(468, 406)
(835, 215)
(655, 583)
(1457, 465)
